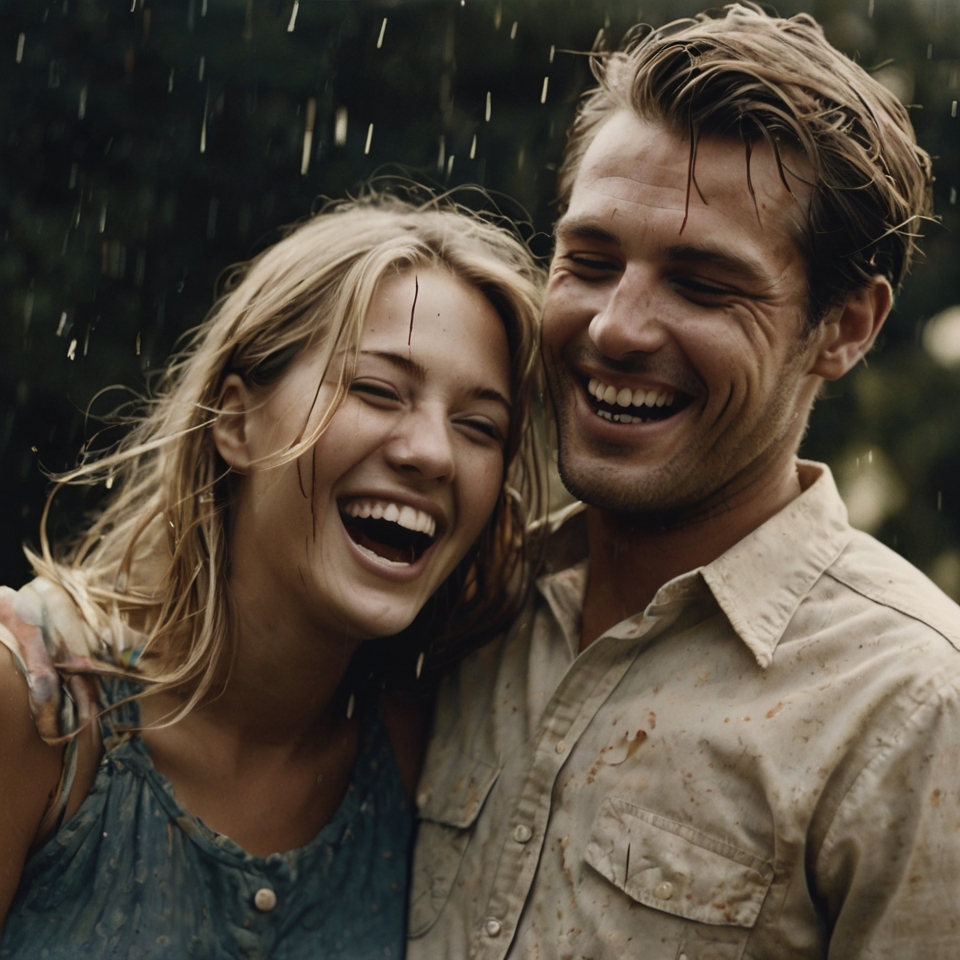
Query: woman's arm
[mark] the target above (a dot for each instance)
(29, 775)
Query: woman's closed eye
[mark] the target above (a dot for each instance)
(375, 390)
(483, 428)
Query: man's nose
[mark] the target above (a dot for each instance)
(632, 318)
(421, 445)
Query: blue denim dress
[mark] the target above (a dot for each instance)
(133, 875)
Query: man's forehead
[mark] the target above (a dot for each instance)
(636, 169)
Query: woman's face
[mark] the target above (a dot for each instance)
(354, 536)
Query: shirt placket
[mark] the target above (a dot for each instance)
(582, 692)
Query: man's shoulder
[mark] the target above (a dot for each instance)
(881, 577)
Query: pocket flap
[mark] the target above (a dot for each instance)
(453, 789)
(676, 868)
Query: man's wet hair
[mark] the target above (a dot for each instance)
(741, 73)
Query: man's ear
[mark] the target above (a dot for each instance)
(848, 331)
(230, 428)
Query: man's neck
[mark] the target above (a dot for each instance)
(632, 557)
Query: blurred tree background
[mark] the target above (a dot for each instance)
(147, 145)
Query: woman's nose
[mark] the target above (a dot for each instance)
(421, 444)
(630, 321)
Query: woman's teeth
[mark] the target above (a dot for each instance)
(625, 397)
(404, 515)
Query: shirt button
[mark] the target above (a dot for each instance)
(664, 890)
(522, 833)
(264, 899)
(492, 927)
(561, 747)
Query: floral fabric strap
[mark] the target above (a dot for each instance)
(35, 624)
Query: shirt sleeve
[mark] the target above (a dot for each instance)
(889, 867)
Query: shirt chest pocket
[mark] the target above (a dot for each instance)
(678, 870)
(448, 807)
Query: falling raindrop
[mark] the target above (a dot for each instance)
(340, 127)
(203, 128)
(553, 51)
(497, 16)
(103, 218)
(449, 164)
(513, 31)
(383, 27)
(293, 16)
(170, 81)
(308, 135)
(203, 66)
(419, 664)
(82, 108)
(953, 196)
(543, 92)
(870, 9)
(521, 157)
(953, 109)
(442, 153)
(21, 40)
(366, 146)
(487, 114)
(72, 349)
(203, 8)
(473, 147)
(351, 703)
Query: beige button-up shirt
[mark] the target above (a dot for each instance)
(765, 763)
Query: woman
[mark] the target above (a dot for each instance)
(336, 456)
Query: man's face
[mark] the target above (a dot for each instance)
(677, 359)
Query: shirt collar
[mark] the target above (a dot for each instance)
(758, 583)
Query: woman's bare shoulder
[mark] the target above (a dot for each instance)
(29, 775)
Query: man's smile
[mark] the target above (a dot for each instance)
(636, 405)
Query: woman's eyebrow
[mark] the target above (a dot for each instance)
(416, 370)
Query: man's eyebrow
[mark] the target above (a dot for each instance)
(416, 370)
(584, 229)
(738, 266)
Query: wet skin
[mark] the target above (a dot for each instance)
(421, 427)
(709, 322)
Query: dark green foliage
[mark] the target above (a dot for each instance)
(114, 226)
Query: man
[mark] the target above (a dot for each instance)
(726, 724)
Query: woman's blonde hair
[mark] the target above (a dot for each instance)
(155, 558)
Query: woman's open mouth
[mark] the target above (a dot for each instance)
(396, 533)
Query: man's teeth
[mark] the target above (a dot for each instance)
(404, 515)
(625, 397)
